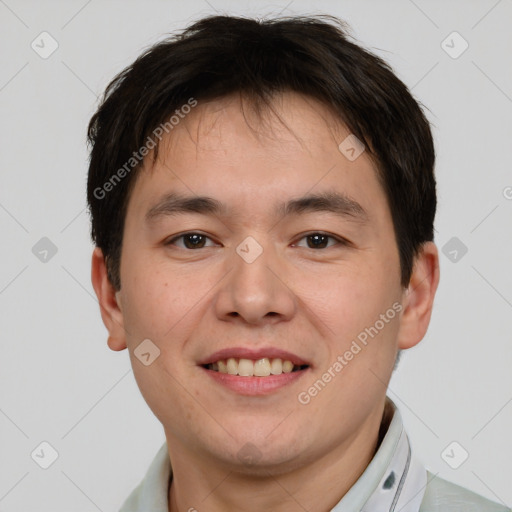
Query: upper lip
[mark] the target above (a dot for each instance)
(250, 353)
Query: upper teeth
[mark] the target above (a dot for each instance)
(248, 368)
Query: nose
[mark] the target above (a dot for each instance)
(258, 291)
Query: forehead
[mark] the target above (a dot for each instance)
(290, 121)
(225, 150)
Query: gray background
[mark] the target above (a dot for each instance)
(59, 381)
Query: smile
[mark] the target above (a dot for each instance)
(263, 367)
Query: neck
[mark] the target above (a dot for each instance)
(315, 485)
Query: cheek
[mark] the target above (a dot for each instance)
(349, 302)
(347, 296)
(157, 300)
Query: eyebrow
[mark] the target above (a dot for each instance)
(334, 202)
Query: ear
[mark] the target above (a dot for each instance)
(418, 299)
(110, 311)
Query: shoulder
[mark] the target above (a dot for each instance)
(133, 502)
(151, 493)
(443, 496)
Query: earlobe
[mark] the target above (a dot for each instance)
(111, 313)
(418, 299)
(116, 344)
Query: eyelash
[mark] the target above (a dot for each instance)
(340, 241)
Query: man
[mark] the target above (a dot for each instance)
(262, 198)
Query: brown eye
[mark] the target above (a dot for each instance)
(321, 240)
(190, 241)
(317, 241)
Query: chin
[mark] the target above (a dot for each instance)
(257, 455)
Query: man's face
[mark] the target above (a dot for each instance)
(306, 294)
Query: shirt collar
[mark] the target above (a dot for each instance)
(394, 479)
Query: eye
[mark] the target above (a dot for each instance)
(190, 241)
(316, 240)
(320, 240)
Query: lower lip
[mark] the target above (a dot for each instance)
(253, 386)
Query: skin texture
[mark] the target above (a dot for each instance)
(310, 301)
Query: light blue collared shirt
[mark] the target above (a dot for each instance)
(393, 481)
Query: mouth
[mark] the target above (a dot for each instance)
(261, 367)
(255, 372)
